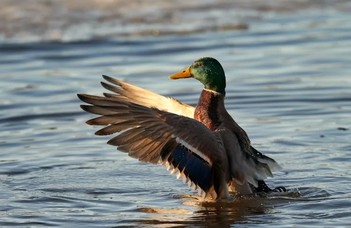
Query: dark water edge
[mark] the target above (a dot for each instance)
(288, 87)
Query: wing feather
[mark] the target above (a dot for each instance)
(98, 110)
(107, 119)
(154, 135)
(271, 164)
(146, 98)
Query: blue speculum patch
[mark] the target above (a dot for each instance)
(193, 166)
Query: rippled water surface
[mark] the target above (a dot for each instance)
(288, 85)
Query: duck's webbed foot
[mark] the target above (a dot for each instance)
(263, 187)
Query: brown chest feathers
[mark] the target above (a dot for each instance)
(208, 109)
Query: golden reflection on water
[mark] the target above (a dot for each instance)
(195, 211)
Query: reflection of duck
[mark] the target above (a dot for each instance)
(195, 213)
(204, 145)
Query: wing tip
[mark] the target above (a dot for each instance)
(106, 77)
(82, 96)
(85, 107)
(101, 132)
(112, 80)
(90, 122)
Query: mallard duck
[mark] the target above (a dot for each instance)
(203, 145)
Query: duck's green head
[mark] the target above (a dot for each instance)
(208, 71)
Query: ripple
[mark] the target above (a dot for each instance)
(287, 86)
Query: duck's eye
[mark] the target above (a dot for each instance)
(197, 65)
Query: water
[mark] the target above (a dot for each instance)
(288, 85)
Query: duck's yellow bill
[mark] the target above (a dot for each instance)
(181, 74)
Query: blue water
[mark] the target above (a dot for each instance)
(288, 86)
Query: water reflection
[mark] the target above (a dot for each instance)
(226, 213)
(219, 214)
(240, 210)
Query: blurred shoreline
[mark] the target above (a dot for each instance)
(65, 21)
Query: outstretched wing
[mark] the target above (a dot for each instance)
(147, 98)
(182, 144)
